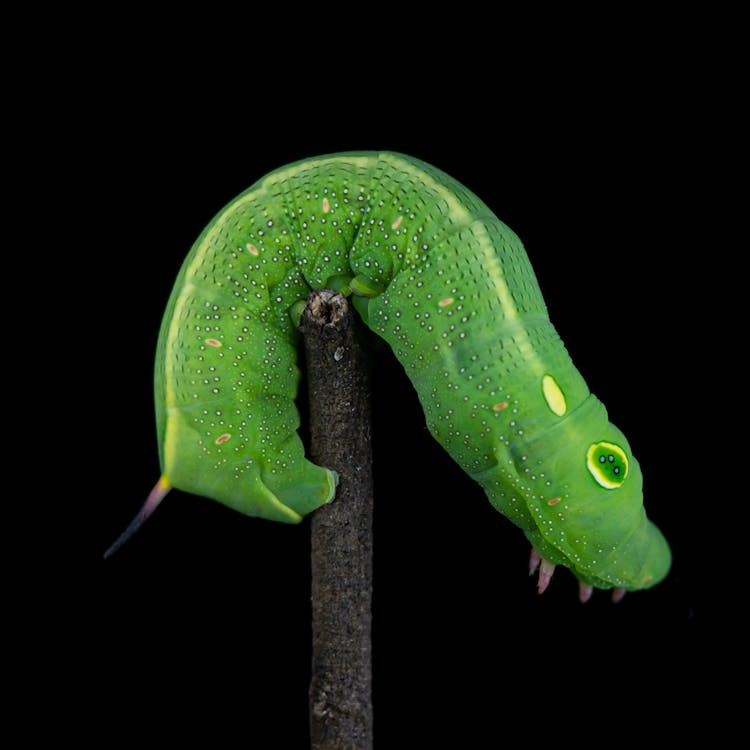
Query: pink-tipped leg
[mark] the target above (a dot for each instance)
(545, 567)
(584, 591)
(617, 595)
(152, 501)
(546, 570)
(534, 561)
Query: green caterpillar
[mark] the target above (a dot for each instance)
(450, 288)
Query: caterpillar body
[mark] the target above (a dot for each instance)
(449, 287)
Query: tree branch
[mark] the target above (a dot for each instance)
(340, 436)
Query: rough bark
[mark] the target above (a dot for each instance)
(340, 439)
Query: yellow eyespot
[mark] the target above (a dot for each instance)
(608, 464)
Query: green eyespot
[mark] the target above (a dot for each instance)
(608, 464)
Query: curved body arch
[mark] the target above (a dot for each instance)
(450, 288)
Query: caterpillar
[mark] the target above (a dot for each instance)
(433, 272)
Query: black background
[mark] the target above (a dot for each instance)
(201, 624)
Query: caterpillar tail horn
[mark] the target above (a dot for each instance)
(156, 495)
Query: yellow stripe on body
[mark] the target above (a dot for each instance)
(184, 298)
(458, 214)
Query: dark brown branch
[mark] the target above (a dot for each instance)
(339, 388)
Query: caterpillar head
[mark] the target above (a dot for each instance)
(591, 517)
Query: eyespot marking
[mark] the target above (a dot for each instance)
(500, 406)
(396, 224)
(445, 302)
(554, 396)
(252, 249)
(608, 464)
(213, 342)
(223, 438)
(326, 205)
(554, 501)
